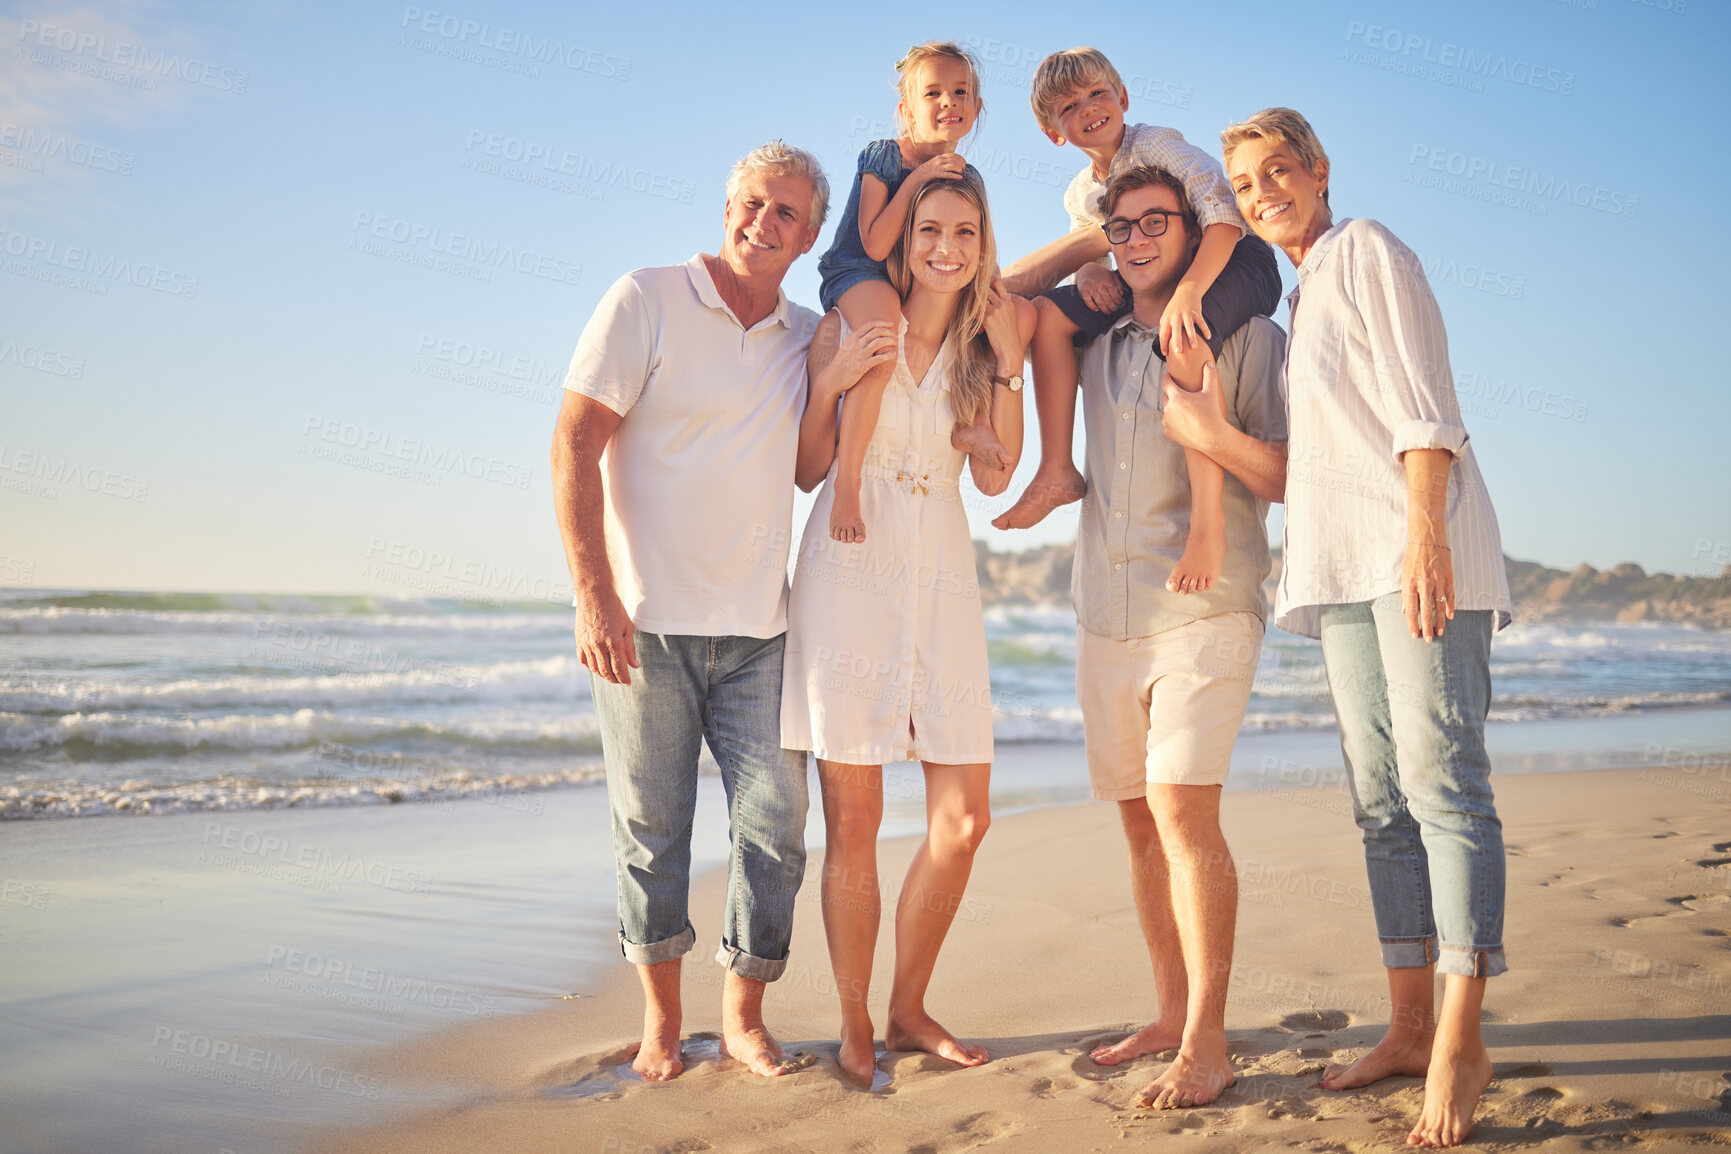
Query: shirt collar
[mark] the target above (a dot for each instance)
(1128, 325)
(1314, 258)
(704, 285)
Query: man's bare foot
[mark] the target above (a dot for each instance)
(1150, 1039)
(1057, 485)
(859, 1055)
(845, 523)
(658, 1058)
(1204, 553)
(923, 1033)
(1452, 1087)
(1195, 1078)
(1396, 1056)
(980, 441)
(752, 1044)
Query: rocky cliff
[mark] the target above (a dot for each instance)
(1625, 593)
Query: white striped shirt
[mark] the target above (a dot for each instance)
(1367, 378)
(1211, 197)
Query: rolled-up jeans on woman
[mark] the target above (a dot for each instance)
(1412, 728)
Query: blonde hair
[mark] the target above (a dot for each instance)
(908, 67)
(1062, 71)
(1282, 126)
(779, 158)
(971, 379)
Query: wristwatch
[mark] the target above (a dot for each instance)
(1014, 384)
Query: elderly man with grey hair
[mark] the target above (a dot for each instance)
(673, 468)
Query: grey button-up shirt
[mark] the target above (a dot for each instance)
(1136, 515)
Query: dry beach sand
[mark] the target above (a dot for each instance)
(1612, 1029)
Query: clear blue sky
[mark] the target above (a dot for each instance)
(218, 221)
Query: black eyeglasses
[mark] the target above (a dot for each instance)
(1152, 224)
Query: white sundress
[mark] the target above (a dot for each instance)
(886, 642)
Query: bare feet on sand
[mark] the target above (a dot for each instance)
(978, 440)
(845, 523)
(1149, 1039)
(859, 1055)
(1051, 487)
(1204, 553)
(658, 1058)
(1196, 1078)
(924, 1034)
(1396, 1056)
(1452, 1087)
(751, 1043)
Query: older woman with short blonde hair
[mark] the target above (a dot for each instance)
(1394, 561)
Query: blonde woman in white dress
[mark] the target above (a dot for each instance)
(886, 644)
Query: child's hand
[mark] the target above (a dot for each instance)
(943, 164)
(1183, 315)
(1100, 288)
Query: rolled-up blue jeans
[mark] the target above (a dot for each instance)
(726, 691)
(1412, 728)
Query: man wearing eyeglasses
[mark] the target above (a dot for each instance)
(1163, 677)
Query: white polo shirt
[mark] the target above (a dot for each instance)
(699, 476)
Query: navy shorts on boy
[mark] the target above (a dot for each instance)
(846, 263)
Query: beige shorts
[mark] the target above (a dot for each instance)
(1166, 708)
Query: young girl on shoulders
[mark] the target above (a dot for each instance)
(940, 105)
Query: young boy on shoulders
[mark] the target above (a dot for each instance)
(1079, 98)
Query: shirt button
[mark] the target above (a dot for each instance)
(1122, 465)
(1118, 516)
(1118, 566)
(1126, 416)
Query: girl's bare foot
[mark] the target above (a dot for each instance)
(1150, 1039)
(859, 1056)
(978, 440)
(1196, 1078)
(923, 1033)
(1051, 487)
(1396, 1056)
(845, 523)
(658, 1057)
(1204, 553)
(1452, 1086)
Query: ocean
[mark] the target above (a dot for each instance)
(115, 703)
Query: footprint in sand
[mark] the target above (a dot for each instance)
(1543, 1094)
(1324, 1020)
(1687, 905)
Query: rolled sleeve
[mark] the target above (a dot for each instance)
(1429, 435)
(616, 354)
